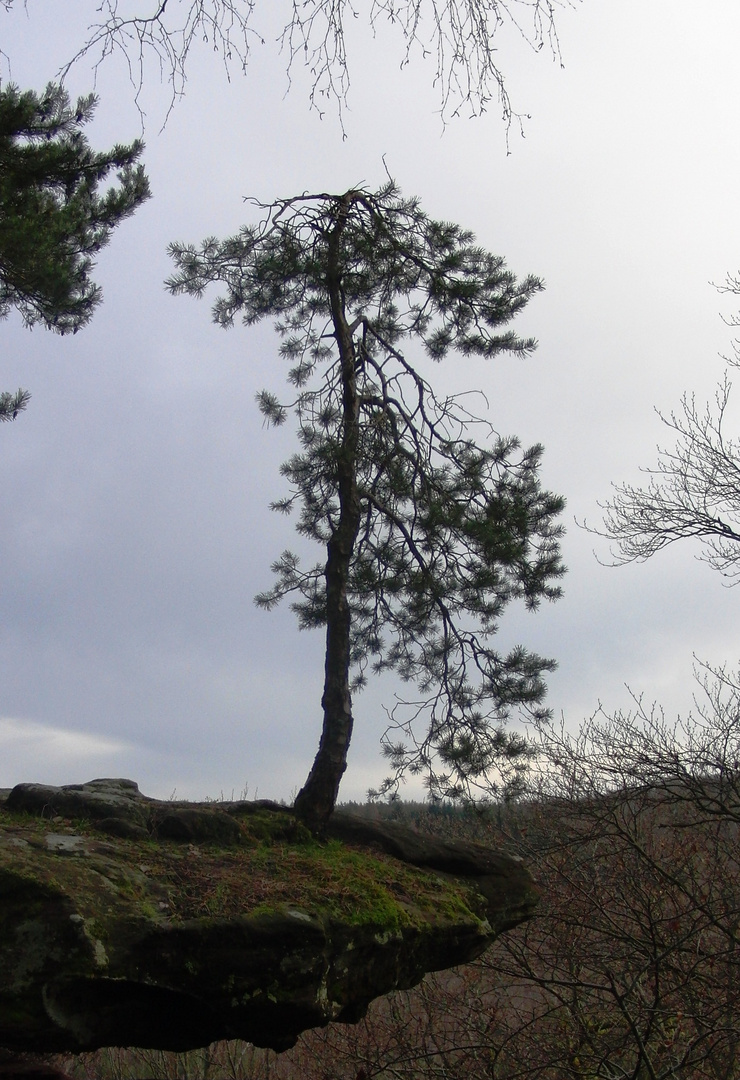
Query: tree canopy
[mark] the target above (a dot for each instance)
(52, 218)
(428, 535)
(461, 36)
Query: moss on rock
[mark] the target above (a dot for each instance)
(174, 937)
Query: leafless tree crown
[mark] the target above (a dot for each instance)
(461, 37)
(693, 492)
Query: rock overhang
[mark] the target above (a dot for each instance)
(189, 930)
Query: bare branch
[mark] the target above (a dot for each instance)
(461, 37)
(693, 492)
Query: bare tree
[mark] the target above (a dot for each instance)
(629, 969)
(461, 36)
(693, 492)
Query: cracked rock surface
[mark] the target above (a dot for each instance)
(129, 921)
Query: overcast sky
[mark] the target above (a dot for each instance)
(135, 528)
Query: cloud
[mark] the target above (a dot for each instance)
(47, 753)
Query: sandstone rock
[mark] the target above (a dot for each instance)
(502, 880)
(179, 924)
(98, 799)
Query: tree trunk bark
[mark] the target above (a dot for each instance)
(316, 799)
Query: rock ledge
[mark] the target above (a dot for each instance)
(129, 921)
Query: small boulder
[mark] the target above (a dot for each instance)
(97, 799)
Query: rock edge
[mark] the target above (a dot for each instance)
(78, 973)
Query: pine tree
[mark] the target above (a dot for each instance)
(12, 404)
(52, 219)
(428, 536)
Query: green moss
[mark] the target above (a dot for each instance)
(360, 888)
(268, 827)
(280, 866)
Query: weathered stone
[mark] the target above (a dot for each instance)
(198, 922)
(128, 830)
(197, 825)
(106, 798)
(502, 880)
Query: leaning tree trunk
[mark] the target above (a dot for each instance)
(317, 798)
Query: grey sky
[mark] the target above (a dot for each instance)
(135, 528)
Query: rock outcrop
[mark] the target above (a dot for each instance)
(129, 921)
